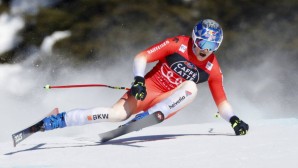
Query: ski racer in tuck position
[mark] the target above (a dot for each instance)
(183, 62)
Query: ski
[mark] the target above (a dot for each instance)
(152, 119)
(25, 133)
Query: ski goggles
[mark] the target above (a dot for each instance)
(204, 44)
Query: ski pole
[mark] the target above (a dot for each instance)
(48, 87)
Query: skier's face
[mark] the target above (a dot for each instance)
(201, 54)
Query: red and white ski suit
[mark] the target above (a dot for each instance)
(177, 63)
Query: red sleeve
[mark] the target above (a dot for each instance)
(160, 50)
(216, 84)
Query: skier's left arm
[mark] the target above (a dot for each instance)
(224, 107)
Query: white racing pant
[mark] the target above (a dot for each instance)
(88, 116)
(179, 98)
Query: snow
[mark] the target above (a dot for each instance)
(49, 41)
(270, 143)
(9, 27)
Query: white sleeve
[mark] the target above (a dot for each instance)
(226, 111)
(139, 66)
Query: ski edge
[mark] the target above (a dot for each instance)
(157, 118)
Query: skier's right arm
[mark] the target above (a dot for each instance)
(151, 54)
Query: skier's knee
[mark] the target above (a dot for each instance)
(119, 115)
(122, 117)
(190, 86)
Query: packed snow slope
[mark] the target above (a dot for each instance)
(270, 143)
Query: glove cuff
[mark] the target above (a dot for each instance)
(139, 79)
(233, 119)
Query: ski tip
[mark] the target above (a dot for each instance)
(13, 140)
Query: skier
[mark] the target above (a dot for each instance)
(183, 62)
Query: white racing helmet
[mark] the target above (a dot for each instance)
(207, 34)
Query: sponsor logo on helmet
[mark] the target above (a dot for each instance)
(97, 116)
(210, 35)
(154, 49)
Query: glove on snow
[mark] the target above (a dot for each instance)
(239, 126)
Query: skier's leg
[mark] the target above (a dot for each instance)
(120, 111)
(171, 102)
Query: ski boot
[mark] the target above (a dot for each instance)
(54, 121)
(137, 117)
